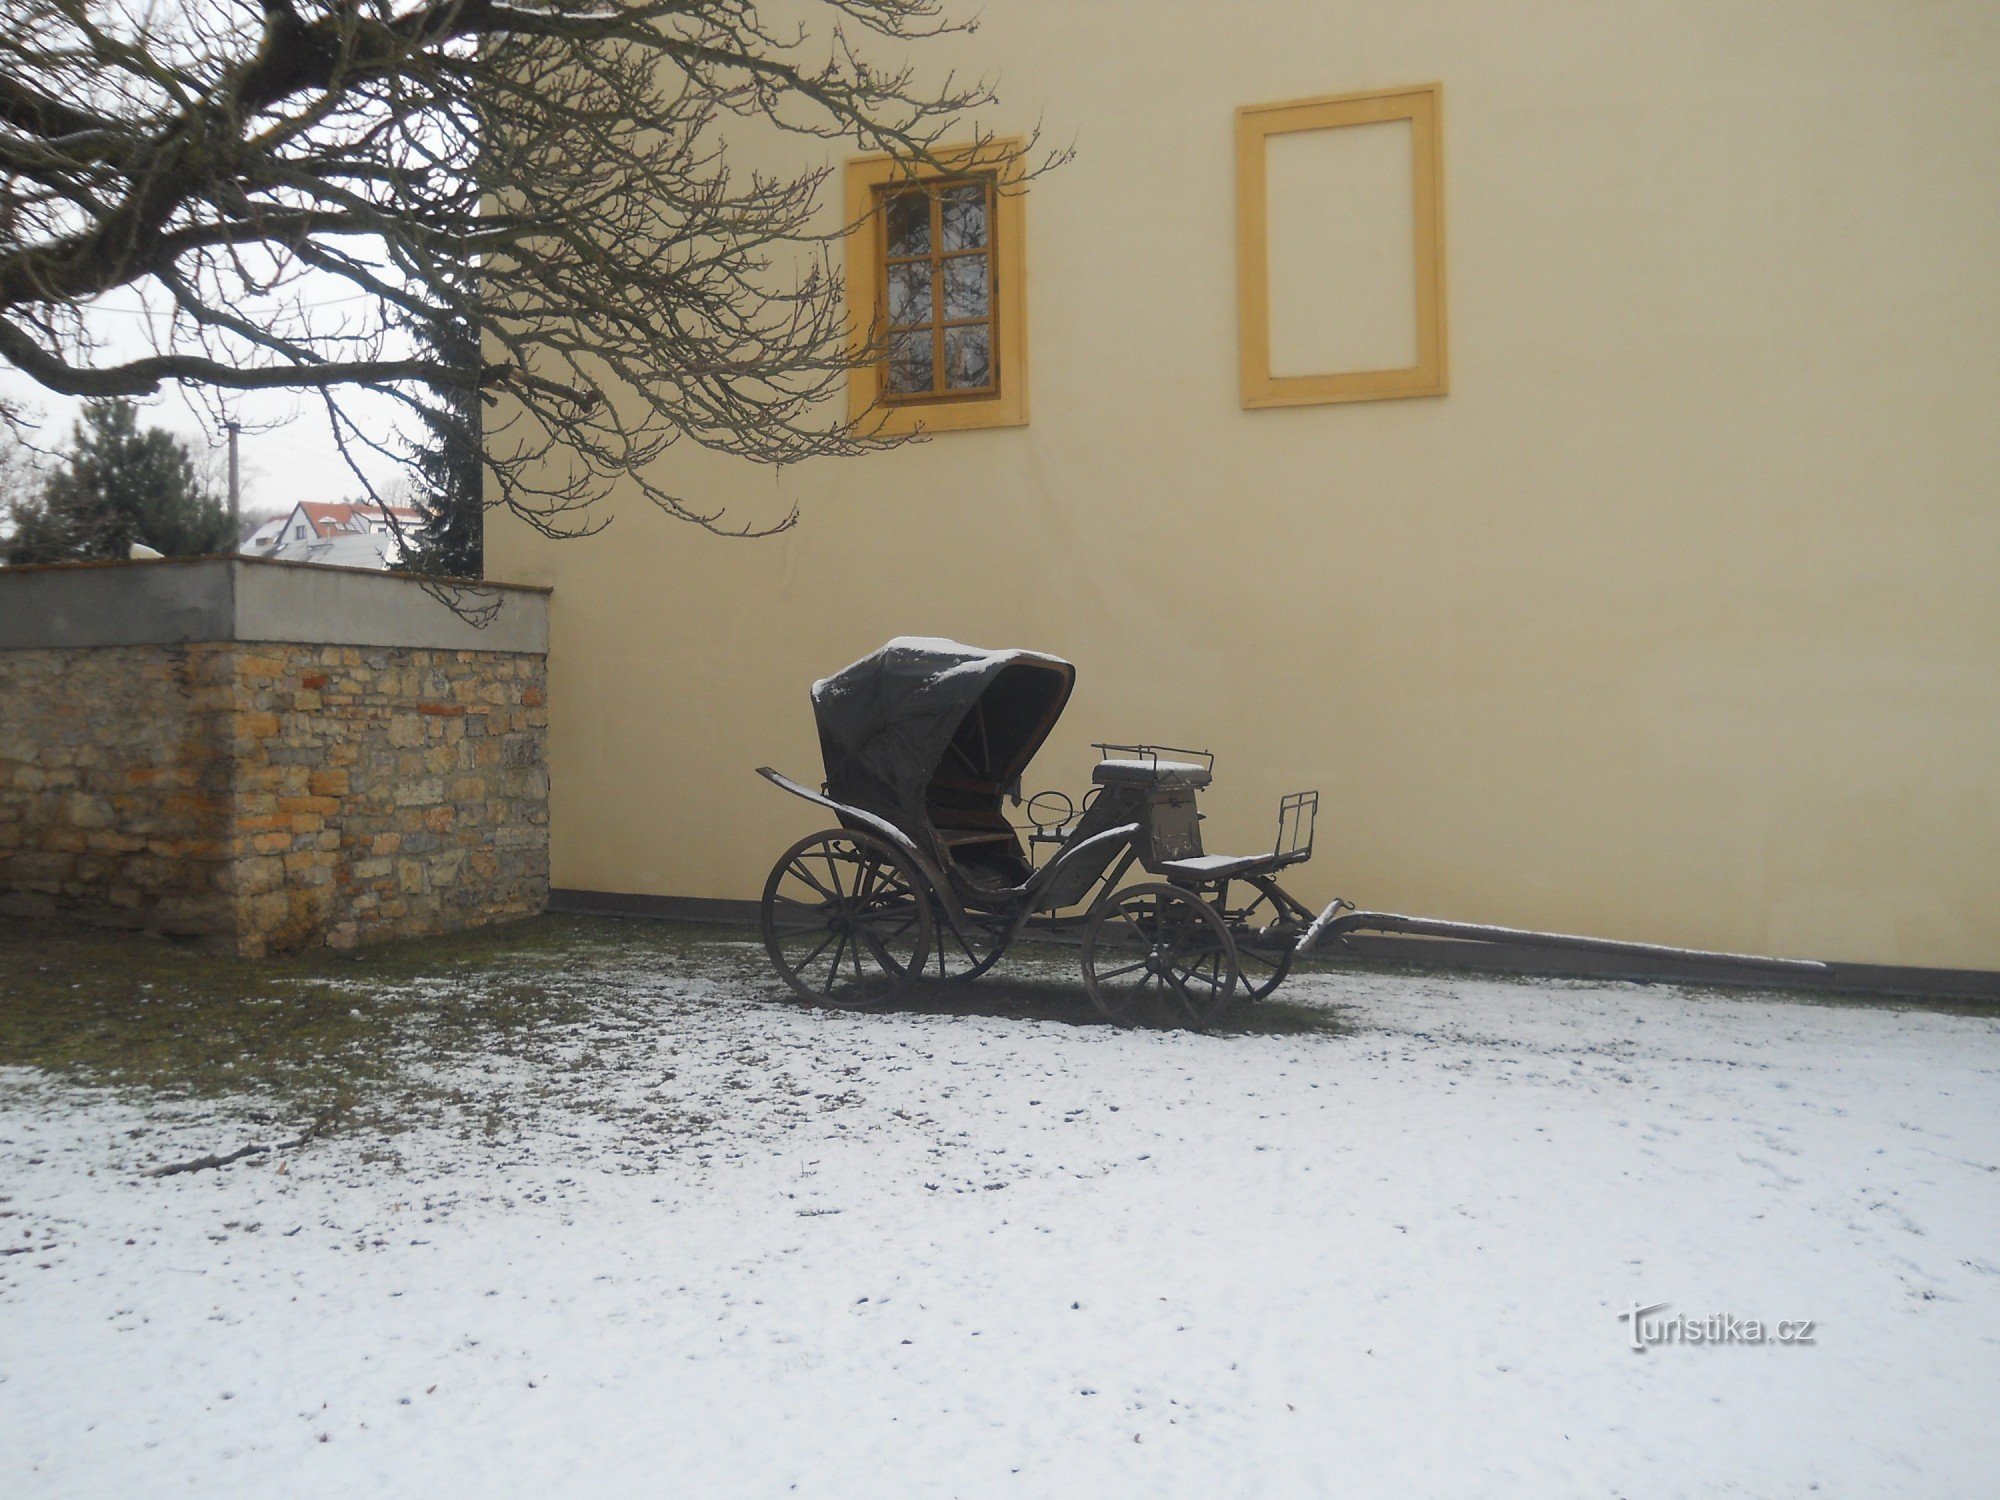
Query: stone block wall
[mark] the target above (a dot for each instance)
(267, 795)
(271, 795)
(386, 793)
(115, 784)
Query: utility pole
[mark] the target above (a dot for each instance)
(233, 428)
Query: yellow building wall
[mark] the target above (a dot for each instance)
(1678, 619)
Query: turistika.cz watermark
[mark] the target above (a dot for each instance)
(1650, 1332)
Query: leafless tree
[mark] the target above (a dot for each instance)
(550, 173)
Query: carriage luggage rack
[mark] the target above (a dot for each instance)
(1153, 755)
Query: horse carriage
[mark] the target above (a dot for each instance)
(924, 742)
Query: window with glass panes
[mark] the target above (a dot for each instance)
(938, 289)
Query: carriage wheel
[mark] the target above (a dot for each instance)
(1157, 955)
(1264, 966)
(958, 960)
(846, 919)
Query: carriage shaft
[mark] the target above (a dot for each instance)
(1331, 924)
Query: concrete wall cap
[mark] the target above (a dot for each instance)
(173, 601)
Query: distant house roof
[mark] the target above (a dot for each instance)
(327, 519)
(266, 536)
(345, 549)
(349, 534)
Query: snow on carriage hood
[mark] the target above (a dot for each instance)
(923, 708)
(956, 657)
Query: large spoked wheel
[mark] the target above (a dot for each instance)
(1156, 955)
(1264, 961)
(959, 957)
(846, 919)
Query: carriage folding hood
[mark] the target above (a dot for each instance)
(924, 724)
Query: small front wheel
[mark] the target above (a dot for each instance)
(1158, 955)
(846, 919)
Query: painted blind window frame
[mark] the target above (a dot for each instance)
(871, 182)
(1422, 106)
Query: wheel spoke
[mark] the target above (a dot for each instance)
(1126, 935)
(1263, 969)
(833, 969)
(881, 954)
(833, 873)
(799, 917)
(818, 949)
(1119, 972)
(1195, 976)
(798, 868)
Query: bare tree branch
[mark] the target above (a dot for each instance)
(550, 174)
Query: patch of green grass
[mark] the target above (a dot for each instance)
(327, 1029)
(319, 1029)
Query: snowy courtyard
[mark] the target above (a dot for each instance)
(682, 1237)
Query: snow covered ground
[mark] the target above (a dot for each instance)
(712, 1244)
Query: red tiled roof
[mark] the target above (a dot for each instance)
(329, 519)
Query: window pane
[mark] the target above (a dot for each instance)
(965, 287)
(967, 358)
(965, 217)
(910, 223)
(910, 293)
(910, 363)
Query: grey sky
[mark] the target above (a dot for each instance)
(287, 448)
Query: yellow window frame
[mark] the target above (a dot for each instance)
(1255, 124)
(1006, 405)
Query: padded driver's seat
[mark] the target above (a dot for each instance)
(1165, 774)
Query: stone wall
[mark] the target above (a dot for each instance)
(115, 784)
(386, 793)
(267, 795)
(274, 795)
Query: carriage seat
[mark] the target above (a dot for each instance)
(1150, 773)
(1203, 868)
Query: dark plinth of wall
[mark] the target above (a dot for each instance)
(269, 755)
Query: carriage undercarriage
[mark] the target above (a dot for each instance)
(848, 921)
